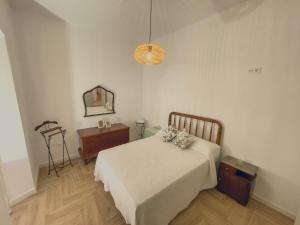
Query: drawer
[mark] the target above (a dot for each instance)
(226, 168)
(119, 137)
(92, 143)
(224, 183)
(104, 141)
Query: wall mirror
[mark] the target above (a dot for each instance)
(98, 101)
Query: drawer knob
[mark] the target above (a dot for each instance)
(226, 168)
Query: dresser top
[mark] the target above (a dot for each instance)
(241, 165)
(93, 131)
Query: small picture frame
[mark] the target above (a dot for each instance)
(101, 124)
(107, 124)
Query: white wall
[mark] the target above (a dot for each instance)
(61, 62)
(16, 166)
(7, 28)
(4, 211)
(206, 73)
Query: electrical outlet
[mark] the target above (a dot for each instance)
(255, 70)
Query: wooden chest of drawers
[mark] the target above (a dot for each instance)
(235, 180)
(93, 140)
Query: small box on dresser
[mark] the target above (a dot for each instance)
(93, 140)
(236, 179)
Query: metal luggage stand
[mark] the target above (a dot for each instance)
(47, 134)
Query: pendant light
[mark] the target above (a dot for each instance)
(149, 54)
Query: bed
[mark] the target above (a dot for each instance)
(152, 181)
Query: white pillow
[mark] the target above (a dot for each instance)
(183, 140)
(168, 134)
(206, 147)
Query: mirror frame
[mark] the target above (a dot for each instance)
(85, 106)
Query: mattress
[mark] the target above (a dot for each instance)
(152, 181)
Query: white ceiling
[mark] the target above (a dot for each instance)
(131, 17)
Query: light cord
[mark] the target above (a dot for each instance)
(150, 32)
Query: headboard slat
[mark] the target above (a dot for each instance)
(211, 130)
(212, 133)
(179, 123)
(196, 131)
(203, 129)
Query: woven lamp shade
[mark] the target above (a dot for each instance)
(149, 54)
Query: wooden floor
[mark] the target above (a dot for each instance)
(75, 199)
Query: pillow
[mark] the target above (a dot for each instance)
(206, 147)
(183, 140)
(168, 134)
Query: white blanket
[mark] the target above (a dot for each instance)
(152, 181)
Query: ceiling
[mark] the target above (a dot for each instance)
(131, 17)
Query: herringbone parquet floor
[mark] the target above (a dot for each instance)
(75, 199)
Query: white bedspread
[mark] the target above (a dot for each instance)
(152, 181)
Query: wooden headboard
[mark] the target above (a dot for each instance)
(206, 128)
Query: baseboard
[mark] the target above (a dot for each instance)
(36, 176)
(274, 206)
(33, 191)
(45, 164)
(22, 197)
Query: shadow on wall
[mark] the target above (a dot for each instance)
(44, 46)
(231, 10)
(171, 15)
(266, 186)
